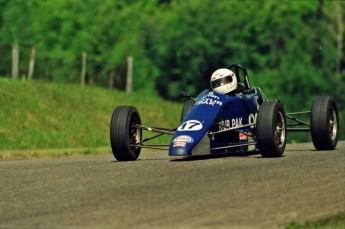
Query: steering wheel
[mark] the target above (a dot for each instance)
(237, 68)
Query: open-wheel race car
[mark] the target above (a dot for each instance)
(231, 117)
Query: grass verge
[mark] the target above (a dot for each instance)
(51, 153)
(37, 115)
(332, 222)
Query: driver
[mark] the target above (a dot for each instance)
(223, 81)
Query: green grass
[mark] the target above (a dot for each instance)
(41, 115)
(333, 222)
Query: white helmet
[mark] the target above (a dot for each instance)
(223, 81)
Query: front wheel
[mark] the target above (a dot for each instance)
(124, 135)
(271, 129)
(324, 123)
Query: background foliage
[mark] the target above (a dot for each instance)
(294, 50)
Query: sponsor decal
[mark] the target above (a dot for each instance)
(243, 136)
(190, 125)
(179, 144)
(252, 119)
(227, 124)
(237, 122)
(210, 99)
(212, 95)
(184, 138)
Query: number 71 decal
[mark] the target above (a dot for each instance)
(190, 125)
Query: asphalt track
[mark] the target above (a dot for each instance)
(157, 191)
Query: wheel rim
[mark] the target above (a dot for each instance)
(280, 130)
(333, 123)
(134, 133)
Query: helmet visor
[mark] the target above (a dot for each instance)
(221, 82)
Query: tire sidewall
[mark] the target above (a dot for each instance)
(320, 123)
(120, 136)
(266, 125)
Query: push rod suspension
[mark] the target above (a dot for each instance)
(298, 113)
(297, 120)
(154, 129)
(161, 132)
(234, 128)
(151, 147)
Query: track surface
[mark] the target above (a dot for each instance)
(157, 191)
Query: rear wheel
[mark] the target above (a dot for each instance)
(324, 123)
(124, 135)
(271, 129)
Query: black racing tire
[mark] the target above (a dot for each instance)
(123, 136)
(324, 123)
(188, 104)
(271, 129)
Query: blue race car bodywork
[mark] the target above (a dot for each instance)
(211, 115)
